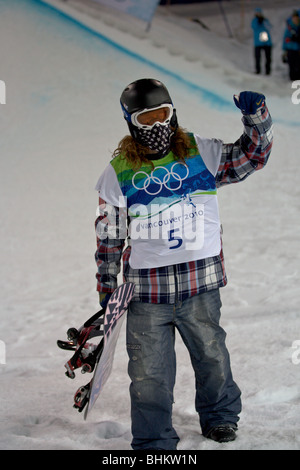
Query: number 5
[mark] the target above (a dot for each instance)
(176, 239)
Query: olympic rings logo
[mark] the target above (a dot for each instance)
(155, 179)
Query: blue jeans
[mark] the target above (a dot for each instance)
(152, 367)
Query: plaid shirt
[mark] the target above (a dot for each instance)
(170, 284)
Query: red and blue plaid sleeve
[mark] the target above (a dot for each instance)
(111, 234)
(250, 152)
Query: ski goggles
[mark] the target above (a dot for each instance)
(147, 118)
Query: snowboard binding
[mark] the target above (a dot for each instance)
(81, 397)
(86, 354)
(96, 357)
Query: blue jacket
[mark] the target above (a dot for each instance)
(291, 38)
(261, 32)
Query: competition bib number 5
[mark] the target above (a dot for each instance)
(181, 225)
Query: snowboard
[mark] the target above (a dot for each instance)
(96, 358)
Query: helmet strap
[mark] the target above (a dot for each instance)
(174, 121)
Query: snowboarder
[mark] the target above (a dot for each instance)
(162, 182)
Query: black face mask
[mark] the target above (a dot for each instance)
(158, 138)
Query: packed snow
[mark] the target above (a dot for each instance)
(59, 127)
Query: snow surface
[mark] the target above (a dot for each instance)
(59, 126)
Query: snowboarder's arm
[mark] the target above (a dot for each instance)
(250, 152)
(111, 233)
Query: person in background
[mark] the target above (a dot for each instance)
(160, 190)
(291, 45)
(262, 41)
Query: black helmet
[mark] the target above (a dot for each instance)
(144, 94)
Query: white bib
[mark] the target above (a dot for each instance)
(173, 208)
(186, 231)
